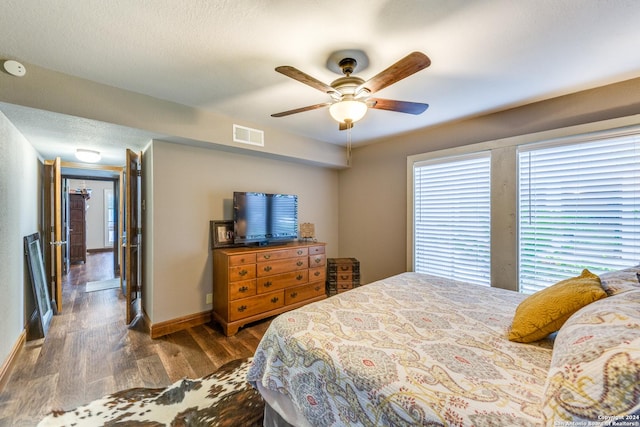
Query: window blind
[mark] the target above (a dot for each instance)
(578, 208)
(452, 218)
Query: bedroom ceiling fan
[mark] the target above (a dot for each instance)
(351, 95)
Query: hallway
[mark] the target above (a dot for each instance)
(89, 352)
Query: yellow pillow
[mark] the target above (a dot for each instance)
(546, 311)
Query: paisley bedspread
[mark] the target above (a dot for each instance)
(409, 350)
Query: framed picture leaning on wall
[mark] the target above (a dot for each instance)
(39, 283)
(221, 234)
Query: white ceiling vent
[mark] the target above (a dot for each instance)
(247, 135)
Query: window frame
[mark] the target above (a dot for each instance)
(109, 193)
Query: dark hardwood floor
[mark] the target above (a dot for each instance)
(90, 352)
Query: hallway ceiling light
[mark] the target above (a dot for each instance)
(88, 156)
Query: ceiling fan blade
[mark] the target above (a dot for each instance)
(301, 109)
(305, 78)
(405, 67)
(399, 106)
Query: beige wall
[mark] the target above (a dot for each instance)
(190, 186)
(373, 193)
(20, 188)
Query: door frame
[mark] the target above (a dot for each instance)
(115, 180)
(132, 236)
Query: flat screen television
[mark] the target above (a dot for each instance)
(261, 218)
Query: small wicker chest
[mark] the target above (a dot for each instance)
(342, 274)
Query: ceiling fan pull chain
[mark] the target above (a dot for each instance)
(349, 145)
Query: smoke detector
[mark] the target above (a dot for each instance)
(14, 68)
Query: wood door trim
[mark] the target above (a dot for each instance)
(133, 232)
(57, 209)
(75, 165)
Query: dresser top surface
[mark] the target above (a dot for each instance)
(272, 247)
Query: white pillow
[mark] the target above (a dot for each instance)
(615, 282)
(595, 365)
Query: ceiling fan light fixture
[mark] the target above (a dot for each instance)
(88, 156)
(348, 111)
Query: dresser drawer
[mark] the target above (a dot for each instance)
(246, 307)
(282, 254)
(314, 250)
(344, 277)
(280, 281)
(242, 259)
(344, 286)
(316, 274)
(301, 293)
(276, 267)
(242, 289)
(242, 272)
(343, 264)
(341, 268)
(317, 260)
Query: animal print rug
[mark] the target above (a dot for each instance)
(222, 399)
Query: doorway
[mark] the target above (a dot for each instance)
(127, 254)
(56, 224)
(90, 227)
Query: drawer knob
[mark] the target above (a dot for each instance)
(267, 284)
(299, 263)
(343, 268)
(299, 277)
(243, 289)
(267, 268)
(242, 260)
(267, 256)
(243, 272)
(317, 288)
(294, 294)
(242, 308)
(344, 277)
(300, 252)
(318, 260)
(317, 273)
(274, 300)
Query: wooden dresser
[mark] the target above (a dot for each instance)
(253, 283)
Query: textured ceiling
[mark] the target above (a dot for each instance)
(486, 55)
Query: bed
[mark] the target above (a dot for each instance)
(416, 349)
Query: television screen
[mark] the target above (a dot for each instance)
(264, 218)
